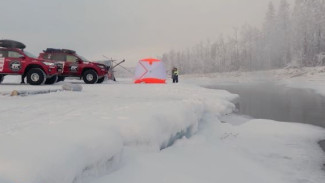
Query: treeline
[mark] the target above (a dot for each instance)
(290, 35)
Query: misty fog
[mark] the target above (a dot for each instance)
(125, 29)
(290, 36)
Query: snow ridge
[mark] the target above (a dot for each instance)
(71, 137)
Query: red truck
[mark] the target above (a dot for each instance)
(74, 65)
(15, 61)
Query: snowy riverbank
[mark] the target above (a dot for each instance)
(65, 136)
(306, 77)
(115, 133)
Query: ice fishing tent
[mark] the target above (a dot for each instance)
(150, 70)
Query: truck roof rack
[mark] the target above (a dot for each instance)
(54, 50)
(6, 43)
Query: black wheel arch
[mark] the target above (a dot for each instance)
(33, 66)
(86, 69)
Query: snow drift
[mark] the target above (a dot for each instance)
(72, 137)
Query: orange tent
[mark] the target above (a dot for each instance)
(150, 70)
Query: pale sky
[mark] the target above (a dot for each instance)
(130, 29)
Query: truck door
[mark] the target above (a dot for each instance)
(72, 63)
(58, 58)
(2, 60)
(14, 63)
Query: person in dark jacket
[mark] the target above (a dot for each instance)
(175, 75)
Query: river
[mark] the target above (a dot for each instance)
(280, 103)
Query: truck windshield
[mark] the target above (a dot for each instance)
(30, 54)
(83, 58)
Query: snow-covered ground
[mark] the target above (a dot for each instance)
(118, 132)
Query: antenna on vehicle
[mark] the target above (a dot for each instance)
(118, 64)
(126, 69)
(109, 59)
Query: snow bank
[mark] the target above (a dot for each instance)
(118, 132)
(286, 149)
(256, 151)
(56, 153)
(75, 136)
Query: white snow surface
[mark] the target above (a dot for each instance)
(115, 132)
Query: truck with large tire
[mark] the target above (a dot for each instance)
(74, 65)
(15, 61)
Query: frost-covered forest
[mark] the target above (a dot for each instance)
(290, 35)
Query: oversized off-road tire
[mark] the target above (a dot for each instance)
(61, 78)
(101, 80)
(36, 76)
(51, 80)
(1, 78)
(90, 77)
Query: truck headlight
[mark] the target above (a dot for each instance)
(49, 63)
(101, 66)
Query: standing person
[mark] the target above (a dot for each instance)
(175, 75)
(23, 79)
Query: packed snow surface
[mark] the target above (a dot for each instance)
(122, 132)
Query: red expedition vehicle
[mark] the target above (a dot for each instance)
(75, 65)
(15, 61)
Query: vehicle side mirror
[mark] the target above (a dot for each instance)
(22, 56)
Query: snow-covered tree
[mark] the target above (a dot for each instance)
(288, 36)
(283, 36)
